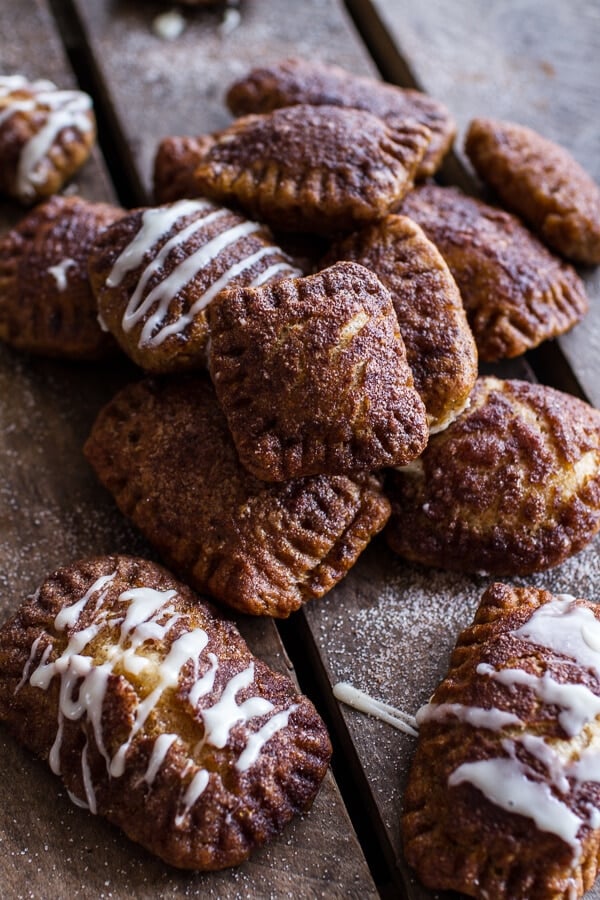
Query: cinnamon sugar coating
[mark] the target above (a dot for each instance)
(516, 293)
(46, 135)
(149, 744)
(46, 303)
(321, 169)
(164, 451)
(156, 271)
(455, 836)
(312, 376)
(540, 181)
(293, 81)
(439, 345)
(174, 165)
(511, 487)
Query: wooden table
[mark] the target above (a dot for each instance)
(389, 627)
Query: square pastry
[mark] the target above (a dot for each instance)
(312, 376)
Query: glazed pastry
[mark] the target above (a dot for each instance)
(293, 81)
(312, 376)
(439, 345)
(540, 181)
(46, 135)
(174, 165)
(155, 713)
(511, 487)
(164, 451)
(503, 798)
(516, 293)
(46, 303)
(156, 271)
(321, 169)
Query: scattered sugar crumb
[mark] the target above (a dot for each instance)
(169, 26)
(231, 20)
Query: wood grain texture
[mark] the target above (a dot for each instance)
(53, 511)
(530, 62)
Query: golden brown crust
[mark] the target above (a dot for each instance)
(516, 293)
(439, 345)
(312, 376)
(511, 487)
(321, 169)
(454, 836)
(35, 165)
(157, 309)
(46, 303)
(165, 453)
(293, 81)
(540, 181)
(174, 165)
(240, 808)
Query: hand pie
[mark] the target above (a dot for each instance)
(293, 81)
(439, 345)
(155, 713)
(516, 293)
(511, 487)
(157, 270)
(321, 169)
(45, 136)
(312, 376)
(174, 166)
(540, 181)
(503, 798)
(46, 303)
(165, 453)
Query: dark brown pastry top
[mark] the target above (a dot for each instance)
(503, 799)
(293, 81)
(46, 302)
(174, 165)
(439, 345)
(46, 135)
(156, 271)
(156, 714)
(540, 181)
(312, 376)
(321, 169)
(511, 487)
(516, 293)
(164, 451)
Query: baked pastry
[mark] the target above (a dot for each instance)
(155, 272)
(312, 376)
(511, 487)
(46, 303)
(516, 293)
(164, 451)
(439, 345)
(503, 797)
(174, 166)
(293, 81)
(321, 169)
(46, 135)
(540, 181)
(155, 713)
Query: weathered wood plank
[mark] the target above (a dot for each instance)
(534, 63)
(53, 511)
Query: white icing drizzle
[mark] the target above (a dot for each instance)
(148, 615)
(572, 631)
(162, 745)
(361, 701)
(59, 272)
(275, 269)
(62, 109)
(493, 719)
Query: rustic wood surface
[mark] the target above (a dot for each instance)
(389, 627)
(53, 511)
(522, 60)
